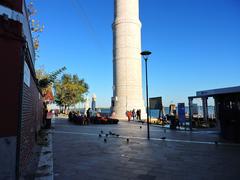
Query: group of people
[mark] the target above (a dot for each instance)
(77, 117)
(134, 115)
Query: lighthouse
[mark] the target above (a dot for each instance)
(127, 68)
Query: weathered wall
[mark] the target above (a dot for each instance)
(31, 120)
(21, 106)
(30, 125)
(7, 157)
(10, 71)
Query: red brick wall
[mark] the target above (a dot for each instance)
(31, 121)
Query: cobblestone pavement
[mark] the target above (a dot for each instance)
(79, 153)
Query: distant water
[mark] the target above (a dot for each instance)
(155, 113)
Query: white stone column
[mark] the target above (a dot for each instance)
(205, 109)
(127, 68)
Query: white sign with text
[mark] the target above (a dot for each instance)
(26, 74)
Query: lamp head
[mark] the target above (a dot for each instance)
(145, 54)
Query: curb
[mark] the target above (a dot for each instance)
(45, 164)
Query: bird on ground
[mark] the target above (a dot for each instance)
(101, 132)
(110, 132)
(140, 127)
(163, 138)
(117, 135)
(105, 140)
(99, 135)
(127, 140)
(106, 135)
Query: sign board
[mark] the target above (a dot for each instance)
(27, 75)
(181, 112)
(156, 103)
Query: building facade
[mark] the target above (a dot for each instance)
(227, 110)
(21, 101)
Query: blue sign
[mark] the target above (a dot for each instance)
(181, 113)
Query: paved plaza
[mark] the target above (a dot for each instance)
(79, 153)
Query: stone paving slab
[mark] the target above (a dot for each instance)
(79, 153)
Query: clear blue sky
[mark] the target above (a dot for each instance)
(195, 44)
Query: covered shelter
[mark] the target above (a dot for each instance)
(227, 110)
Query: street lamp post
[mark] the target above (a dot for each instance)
(145, 55)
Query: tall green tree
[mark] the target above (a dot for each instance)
(70, 90)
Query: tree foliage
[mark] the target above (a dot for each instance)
(35, 26)
(46, 80)
(70, 90)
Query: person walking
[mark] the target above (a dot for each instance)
(139, 114)
(88, 115)
(129, 115)
(49, 119)
(133, 114)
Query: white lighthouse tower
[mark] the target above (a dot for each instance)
(127, 68)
